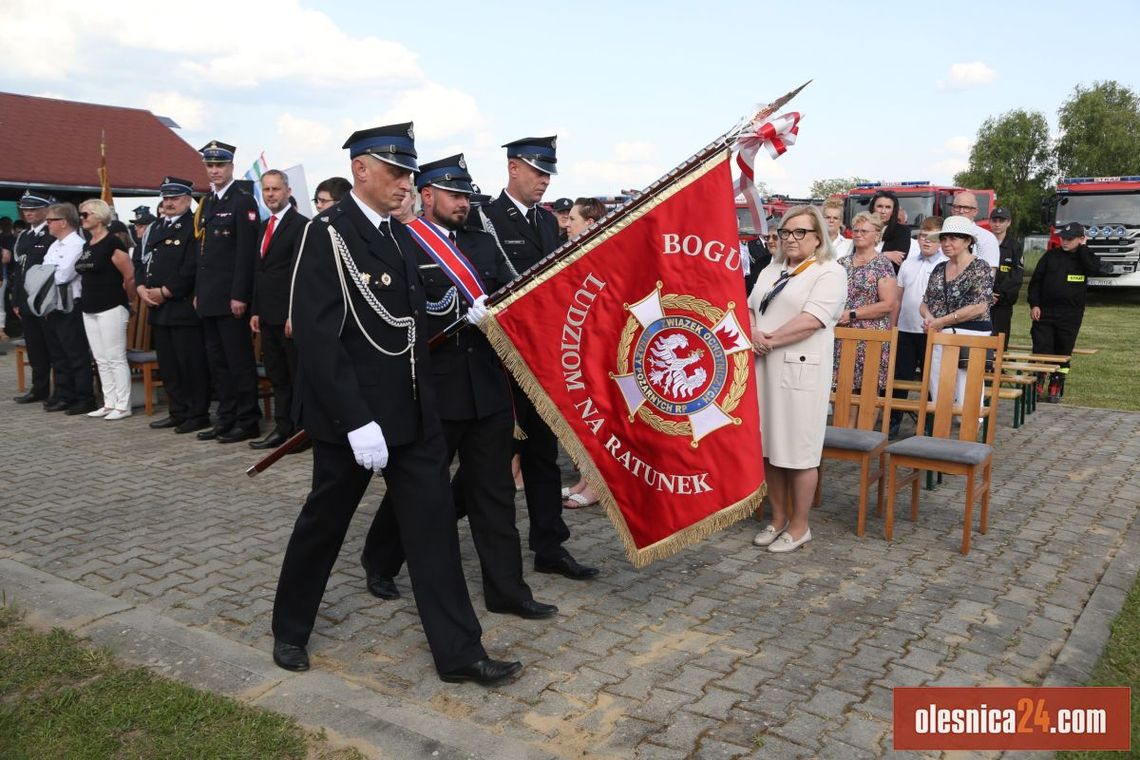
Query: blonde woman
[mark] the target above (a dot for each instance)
(794, 307)
(107, 275)
(872, 291)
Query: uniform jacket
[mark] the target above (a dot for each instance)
(470, 381)
(166, 258)
(228, 250)
(1010, 272)
(519, 240)
(28, 250)
(1060, 279)
(274, 270)
(344, 382)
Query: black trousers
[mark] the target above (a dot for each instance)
(1002, 318)
(39, 358)
(70, 357)
(484, 448)
(229, 351)
(1056, 332)
(280, 359)
(909, 356)
(538, 456)
(185, 374)
(416, 480)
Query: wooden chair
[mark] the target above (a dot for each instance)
(852, 435)
(141, 355)
(937, 450)
(21, 347)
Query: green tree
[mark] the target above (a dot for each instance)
(825, 188)
(1100, 132)
(1013, 156)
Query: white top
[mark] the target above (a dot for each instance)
(988, 248)
(372, 216)
(913, 252)
(842, 246)
(914, 274)
(64, 253)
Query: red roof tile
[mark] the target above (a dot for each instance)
(54, 144)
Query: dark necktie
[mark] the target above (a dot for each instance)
(386, 228)
(451, 236)
(532, 218)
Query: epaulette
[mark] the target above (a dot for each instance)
(244, 185)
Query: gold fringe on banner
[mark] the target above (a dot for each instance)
(552, 415)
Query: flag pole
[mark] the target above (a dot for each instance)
(658, 186)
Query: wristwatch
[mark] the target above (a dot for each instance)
(851, 315)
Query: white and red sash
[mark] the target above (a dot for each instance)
(775, 136)
(443, 252)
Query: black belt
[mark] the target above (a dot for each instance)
(976, 324)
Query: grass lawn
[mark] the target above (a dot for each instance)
(61, 699)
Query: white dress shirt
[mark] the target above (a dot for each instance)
(222, 191)
(64, 253)
(842, 246)
(374, 218)
(522, 207)
(914, 275)
(988, 249)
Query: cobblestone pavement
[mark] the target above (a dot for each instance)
(723, 651)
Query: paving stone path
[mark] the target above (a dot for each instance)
(163, 549)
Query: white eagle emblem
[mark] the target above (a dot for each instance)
(669, 372)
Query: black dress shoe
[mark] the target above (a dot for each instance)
(29, 398)
(566, 566)
(56, 406)
(165, 422)
(485, 671)
(233, 435)
(382, 588)
(82, 407)
(191, 426)
(271, 441)
(290, 656)
(304, 445)
(528, 608)
(211, 433)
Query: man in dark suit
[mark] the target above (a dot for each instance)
(474, 401)
(165, 264)
(228, 228)
(280, 236)
(362, 393)
(527, 233)
(28, 250)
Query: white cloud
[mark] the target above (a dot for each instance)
(965, 76)
(959, 146)
(950, 166)
(303, 135)
(188, 112)
(439, 112)
(635, 150)
(27, 52)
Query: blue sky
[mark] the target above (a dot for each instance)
(631, 89)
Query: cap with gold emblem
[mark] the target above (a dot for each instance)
(33, 200)
(447, 173)
(217, 152)
(539, 152)
(394, 144)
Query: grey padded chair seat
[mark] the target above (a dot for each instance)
(852, 439)
(947, 449)
(141, 356)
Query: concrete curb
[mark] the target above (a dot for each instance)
(379, 725)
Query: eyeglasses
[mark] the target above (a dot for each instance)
(53, 219)
(84, 214)
(319, 201)
(958, 207)
(797, 234)
(858, 233)
(922, 238)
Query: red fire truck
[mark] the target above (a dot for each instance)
(919, 199)
(1109, 209)
(774, 205)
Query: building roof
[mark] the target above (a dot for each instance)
(54, 145)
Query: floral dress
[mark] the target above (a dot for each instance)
(863, 290)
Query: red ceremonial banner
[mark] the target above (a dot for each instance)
(635, 349)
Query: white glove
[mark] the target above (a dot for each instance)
(368, 447)
(478, 311)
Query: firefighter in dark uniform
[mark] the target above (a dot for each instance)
(28, 250)
(228, 227)
(142, 219)
(1057, 293)
(363, 392)
(165, 264)
(474, 400)
(561, 209)
(526, 234)
(1010, 272)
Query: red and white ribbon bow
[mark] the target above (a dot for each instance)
(775, 136)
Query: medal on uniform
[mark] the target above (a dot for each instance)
(385, 279)
(365, 277)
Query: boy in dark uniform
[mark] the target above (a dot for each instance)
(28, 250)
(1057, 293)
(165, 264)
